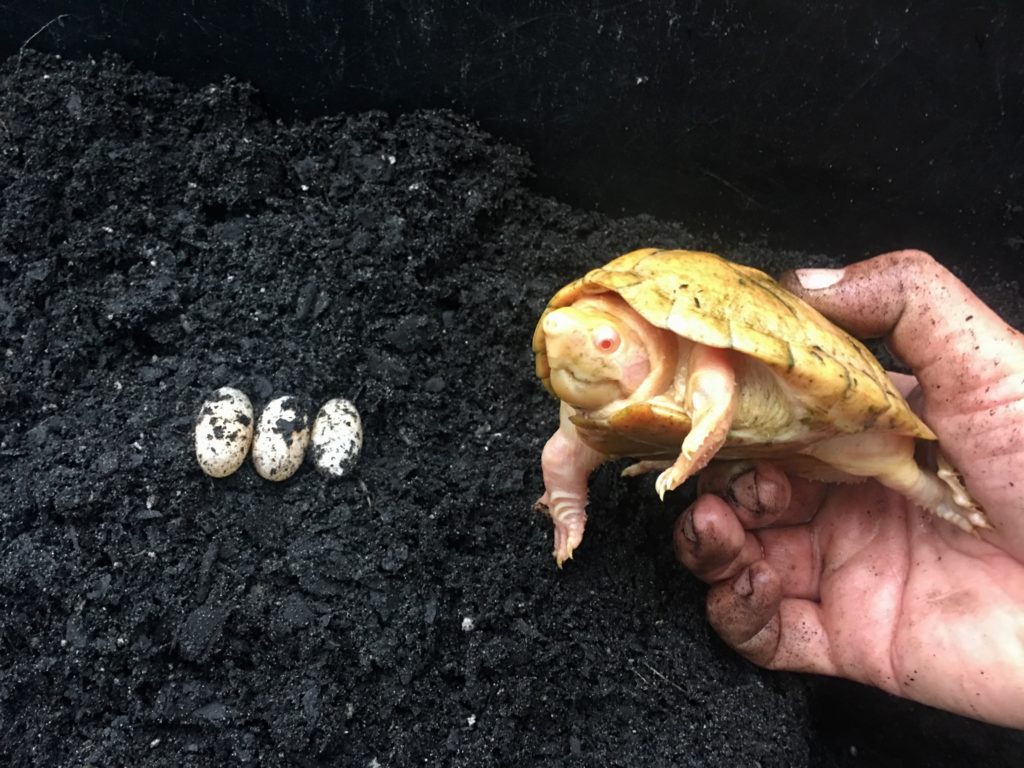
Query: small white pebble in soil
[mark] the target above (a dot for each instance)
(282, 436)
(223, 432)
(471, 721)
(468, 625)
(337, 437)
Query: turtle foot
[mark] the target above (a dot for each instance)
(568, 535)
(643, 467)
(570, 521)
(957, 506)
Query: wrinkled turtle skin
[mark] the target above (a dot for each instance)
(678, 357)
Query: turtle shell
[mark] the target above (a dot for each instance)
(709, 300)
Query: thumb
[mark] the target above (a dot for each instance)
(935, 324)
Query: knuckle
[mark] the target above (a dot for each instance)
(914, 266)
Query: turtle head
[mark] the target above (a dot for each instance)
(596, 352)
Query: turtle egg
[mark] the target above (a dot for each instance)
(337, 437)
(223, 432)
(282, 435)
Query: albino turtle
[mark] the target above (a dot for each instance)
(677, 357)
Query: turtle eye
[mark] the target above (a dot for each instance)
(606, 339)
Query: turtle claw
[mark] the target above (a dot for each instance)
(968, 519)
(567, 538)
(965, 516)
(664, 483)
(671, 479)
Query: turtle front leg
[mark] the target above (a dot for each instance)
(567, 463)
(710, 400)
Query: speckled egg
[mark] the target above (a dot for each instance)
(337, 437)
(223, 432)
(282, 436)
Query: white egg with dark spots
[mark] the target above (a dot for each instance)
(337, 437)
(223, 432)
(282, 436)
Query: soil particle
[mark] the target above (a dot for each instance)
(157, 243)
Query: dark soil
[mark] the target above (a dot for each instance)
(157, 243)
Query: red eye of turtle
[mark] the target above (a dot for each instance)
(606, 339)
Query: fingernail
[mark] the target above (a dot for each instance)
(744, 584)
(743, 490)
(688, 531)
(816, 279)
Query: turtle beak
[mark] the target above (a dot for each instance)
(580, 374)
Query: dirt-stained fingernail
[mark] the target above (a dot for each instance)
(687, 525)
(743, 585)
(743, 491)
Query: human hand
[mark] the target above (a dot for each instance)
(854, 581)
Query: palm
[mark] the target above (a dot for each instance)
(894, 590)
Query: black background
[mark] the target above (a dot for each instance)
(846, 127)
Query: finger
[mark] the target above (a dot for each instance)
(929, 318)
(751, 616)
(763, 494)
(903, 382)
(793, 554)
(710, 541)
(910, 388)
